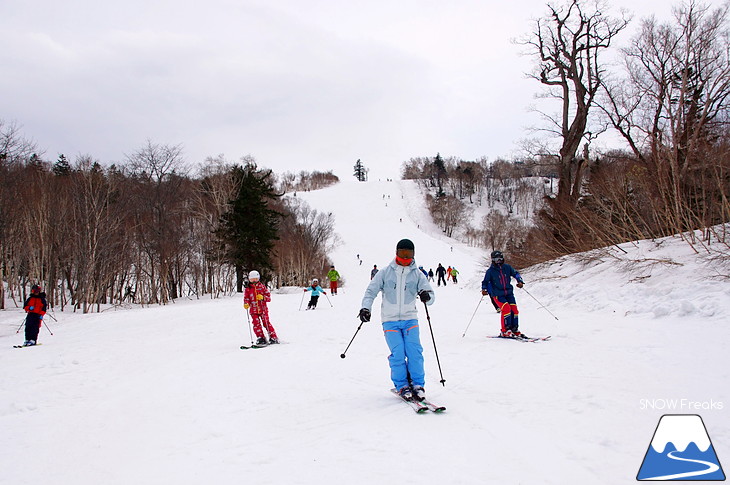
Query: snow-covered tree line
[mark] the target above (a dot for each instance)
(146, 231)
(485, 204)
(304, 181)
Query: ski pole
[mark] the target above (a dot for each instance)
(248, 320)
(300, 303)
(328, 300)
(428, 317)
(472, 316)
(538, 302)
(44, 323)
(21, 326)
(342, 355)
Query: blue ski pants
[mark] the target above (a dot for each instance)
(406, 353)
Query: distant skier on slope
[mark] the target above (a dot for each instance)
(334, 276)
(316, 291)
(496, 284)
(440, 274)
(454, 274)
(401, 283)
(255, 297)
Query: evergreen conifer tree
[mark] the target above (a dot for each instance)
(361, 172)
(250, 227)
(62, 167)
(441, 173)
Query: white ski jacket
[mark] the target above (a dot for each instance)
(400, 286)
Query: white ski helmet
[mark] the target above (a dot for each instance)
(315, 280)
(254, 275)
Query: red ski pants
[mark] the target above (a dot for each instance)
(509, 312)
(260, 320)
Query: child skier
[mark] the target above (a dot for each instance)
(255, 297)
(316, 291)
(497, 285)
(35, 306)
(401, 282)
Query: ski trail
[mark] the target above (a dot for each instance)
(711, 468)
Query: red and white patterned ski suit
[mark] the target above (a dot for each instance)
(256, 295)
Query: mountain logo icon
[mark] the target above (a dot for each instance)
(681, 450)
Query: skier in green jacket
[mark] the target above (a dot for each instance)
(334, 277)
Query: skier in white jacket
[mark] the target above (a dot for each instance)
(402, 285)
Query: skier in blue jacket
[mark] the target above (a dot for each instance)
(316, 291)
(497, 284)
(402, 285)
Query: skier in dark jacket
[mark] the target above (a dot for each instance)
(35, 306)
(497, 285)
(440, 274)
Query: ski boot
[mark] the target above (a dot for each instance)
(519, 334)
(406, 393)
(261, 341)
(273, 340)
(419, 393)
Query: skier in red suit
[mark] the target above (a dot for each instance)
(255, 297)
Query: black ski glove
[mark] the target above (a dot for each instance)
(364, 315)
(424, 295)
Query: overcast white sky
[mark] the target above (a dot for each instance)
(298, 84)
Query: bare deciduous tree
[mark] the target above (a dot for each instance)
(672, 108)
(568, 44)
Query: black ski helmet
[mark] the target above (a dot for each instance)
(35, 289)
(405, 244)
(497, 257)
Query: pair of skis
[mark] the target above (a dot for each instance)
(420, 407)
(257, 346)
(522, 339)
(24, 346)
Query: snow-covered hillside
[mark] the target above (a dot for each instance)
(163, 395)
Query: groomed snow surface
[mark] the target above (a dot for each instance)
(164, 395)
